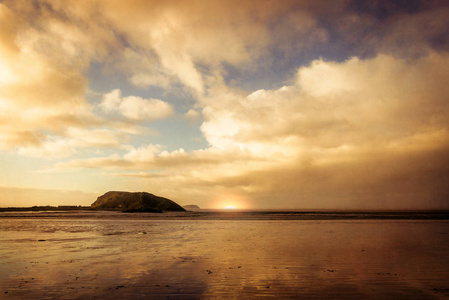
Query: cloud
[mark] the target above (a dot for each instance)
(154, 158)
(353, 119)
(44, 56)
(73, 140)
(158, 44)
(376, 180)
(135, 108)
(357, 102)
(349, 132)
(275, 115)
(192, 116)
(42, 84)
(142, 154)
(19, 138)
(165, 46)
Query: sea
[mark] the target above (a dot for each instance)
(218, 254)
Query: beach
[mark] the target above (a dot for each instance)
(98, 255)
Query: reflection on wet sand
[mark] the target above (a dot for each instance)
(126, 258)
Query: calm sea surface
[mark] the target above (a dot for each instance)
(210, 255)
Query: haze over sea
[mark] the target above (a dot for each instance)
(224, 254)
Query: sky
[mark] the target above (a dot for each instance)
(252, 104)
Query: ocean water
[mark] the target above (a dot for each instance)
(234, 255)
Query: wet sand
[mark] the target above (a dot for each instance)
(129, 257)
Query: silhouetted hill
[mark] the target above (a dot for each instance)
(135, 202)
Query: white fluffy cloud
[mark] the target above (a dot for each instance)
(356, 103)
(135, 108)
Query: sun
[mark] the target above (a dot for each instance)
(229, 201)
(230, 207)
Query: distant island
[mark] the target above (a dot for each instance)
(135, 202)
(115, 200)
(191, 207)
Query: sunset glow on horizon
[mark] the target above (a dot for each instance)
(279, 104)
(229, 207)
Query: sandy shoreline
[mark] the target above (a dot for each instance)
(189, 259)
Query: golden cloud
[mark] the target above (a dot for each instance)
(342, 130)
(136, 108)
(362, 116)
